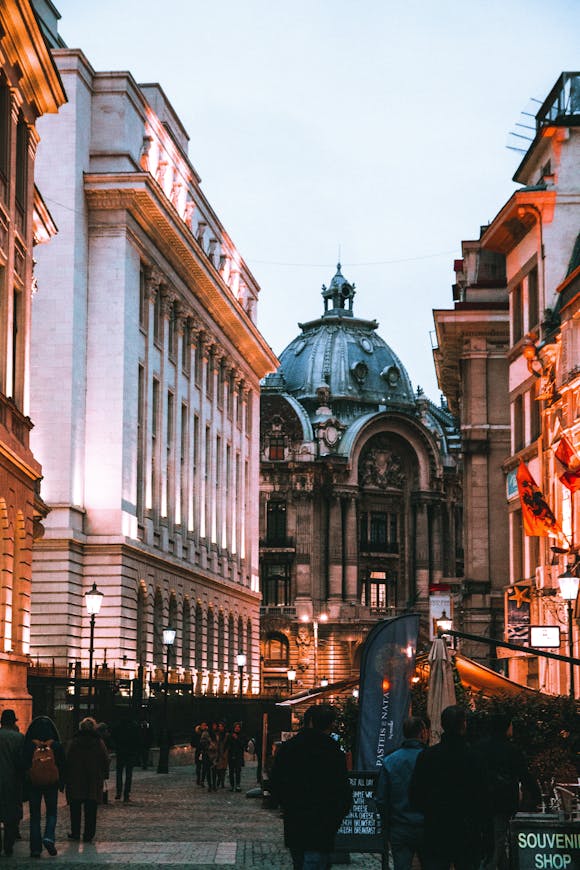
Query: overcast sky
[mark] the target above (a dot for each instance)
(373, 125)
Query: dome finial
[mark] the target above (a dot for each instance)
(338, 294)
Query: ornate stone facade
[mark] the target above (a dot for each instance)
(29, 87)
(359, 496)
(152, 478)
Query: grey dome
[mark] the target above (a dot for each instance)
(345, 356)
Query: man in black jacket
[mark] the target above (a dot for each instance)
(448, 786)
(310, 781)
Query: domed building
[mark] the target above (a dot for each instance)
(360, 502)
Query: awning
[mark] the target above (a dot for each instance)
(481, 679)
(320, 692)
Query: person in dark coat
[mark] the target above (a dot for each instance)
(127, 741)
(236, 747)
(448, 787)
(310, 781)
(403, 826)
(506, 770)
(87, 762)
(42, 728)
(11, 777)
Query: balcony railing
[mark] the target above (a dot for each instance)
(277, 543)
(381, 547)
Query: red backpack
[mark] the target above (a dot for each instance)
(43, 770)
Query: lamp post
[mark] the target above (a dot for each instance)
(322, 617)
(291, 675)
(93, 601)
(569, 592)
(241, 659)
(444, 623)
(324, 682)
(164, 742)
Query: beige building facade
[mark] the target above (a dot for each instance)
(146, 352)
(29, 88)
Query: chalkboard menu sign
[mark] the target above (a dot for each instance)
(361, 829)
(540, 842)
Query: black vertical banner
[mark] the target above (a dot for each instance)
(387, 666)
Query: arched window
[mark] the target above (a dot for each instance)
(240, 634)
(186, 635)
(198, 637)
(142, 624)
(5, 580)
(158, 630)
(249, 646)
(276, 651)
(231, 645)
(210, 640)
(172, 623)
(221, 642)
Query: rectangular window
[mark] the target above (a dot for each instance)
(197, 362)
(535, 414)
(231, 388)
(276, 585)
(517, 314)
(154, 438)
(21, 186)
(157, 315)
(186, 348)
(140, 442)
(172, 331)
(220, 384)
(533, 299)
(517, 546)
(276, 523)
(249, 409)
(183, 462)
(276, 448)
(5, 125)
(142, 299)
(378, 528)
(518, 429)
(209, 386)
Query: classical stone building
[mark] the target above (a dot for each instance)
(29, 87)
(360, 501)
(471, 365)
(537, 233)
(146, 363)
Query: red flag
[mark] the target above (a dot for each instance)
(536, 513)
(566, 454)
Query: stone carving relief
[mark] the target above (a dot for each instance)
(304, 644)
(382, 468)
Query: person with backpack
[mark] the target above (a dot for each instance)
(87, 763)
(44, 764)
(506, 771)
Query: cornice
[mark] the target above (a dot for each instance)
(26, 49)
(141, 196)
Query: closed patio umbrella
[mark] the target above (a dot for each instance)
(441, 687)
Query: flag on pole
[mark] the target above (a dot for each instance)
(536, 513)
(387, 666)
(569, 459)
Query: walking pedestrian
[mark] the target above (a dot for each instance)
(403, 826)
(506, 772)
(195, 745)
(236, 748)
(44, 765)
(448, 788)
(310, 781)
(87, 766)
(11, 780)
(221, 761)
(126, 740)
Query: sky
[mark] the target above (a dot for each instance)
(371, 129)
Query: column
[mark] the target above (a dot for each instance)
(350, 580)
(335, 548)
(303, 507)
(421, 551)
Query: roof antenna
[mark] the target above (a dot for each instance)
(339, 246)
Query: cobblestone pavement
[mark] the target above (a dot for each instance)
(170, 822)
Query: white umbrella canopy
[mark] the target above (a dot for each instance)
(441, 686)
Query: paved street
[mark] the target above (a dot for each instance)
(172, 823)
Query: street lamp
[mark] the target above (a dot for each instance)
(323, 617)
(93, 601)
(324, 682)
(163, 763)
(241, 659)
(569, 592)
(444, 623)
(291, 674)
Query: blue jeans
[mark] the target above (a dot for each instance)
(50, 796)
(310, 860)
(405, 844)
